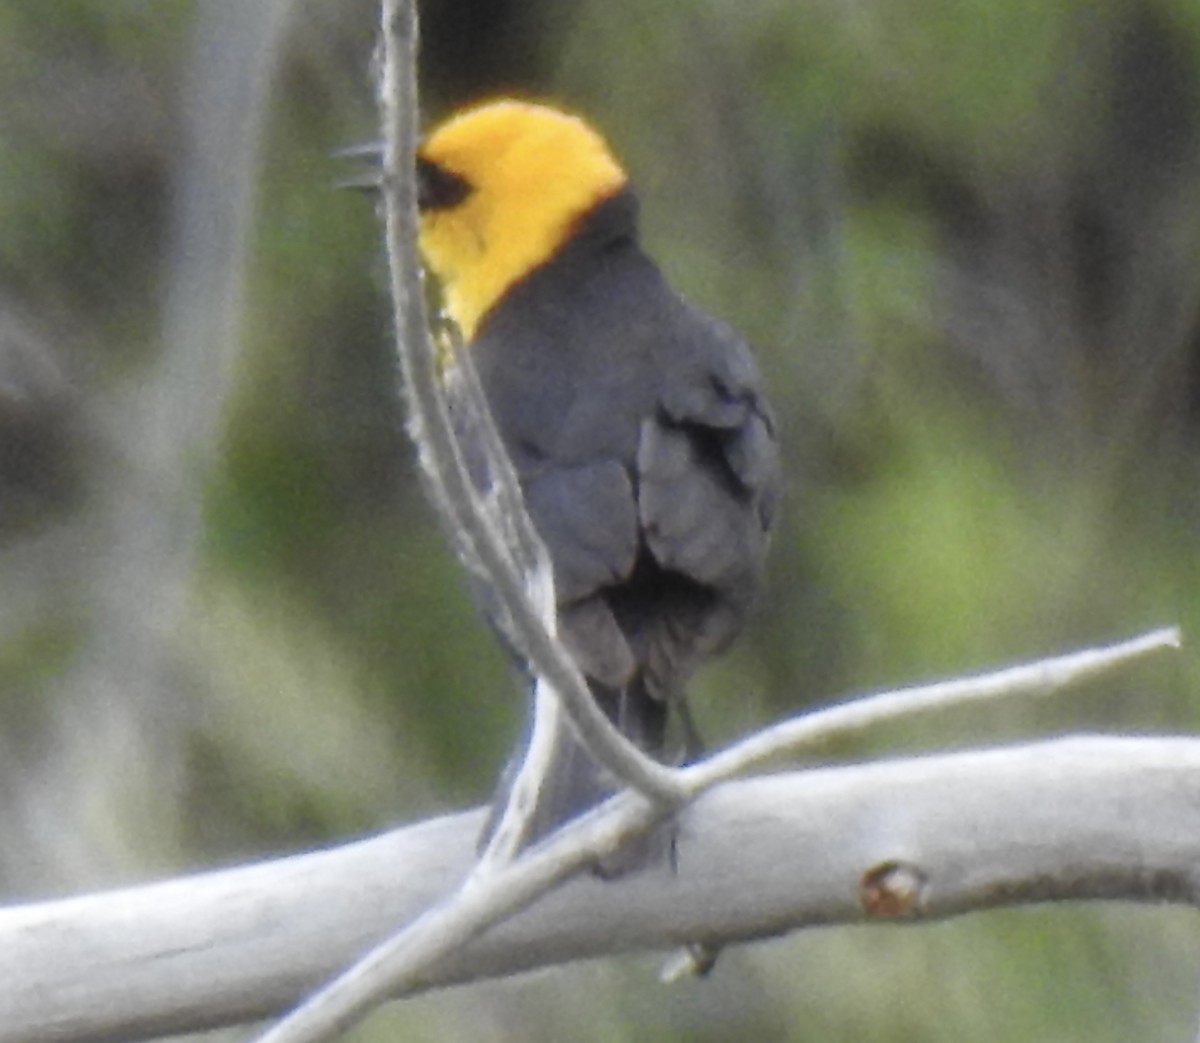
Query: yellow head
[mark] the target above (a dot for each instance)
(501, 187)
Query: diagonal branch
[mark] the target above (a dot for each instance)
(453, 491)
(863, 712)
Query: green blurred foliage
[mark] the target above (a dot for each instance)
(964, 235)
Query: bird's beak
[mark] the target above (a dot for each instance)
(437, 189)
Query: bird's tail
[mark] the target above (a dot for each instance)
(555, 779)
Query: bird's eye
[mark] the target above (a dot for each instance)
(439, 189)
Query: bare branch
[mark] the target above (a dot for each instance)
(432, 429)
(862, 712)
(504, 888)
(1112, 818)
(403, 963)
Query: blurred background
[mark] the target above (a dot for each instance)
(965, 238)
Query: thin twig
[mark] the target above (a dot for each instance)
(866, 711)
(432, 428)
(504, 504)
(503, 512)
(401, 963)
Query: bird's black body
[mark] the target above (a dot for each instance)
(648, 460)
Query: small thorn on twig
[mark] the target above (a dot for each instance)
(368, 179)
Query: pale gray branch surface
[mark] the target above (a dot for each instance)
(498, 888)
(1072, 818)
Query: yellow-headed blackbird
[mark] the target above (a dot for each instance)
(637, 425)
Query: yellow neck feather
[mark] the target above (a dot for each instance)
(533, 172)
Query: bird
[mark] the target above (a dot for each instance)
(637, 425)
